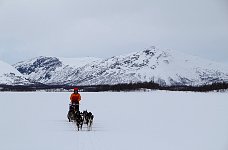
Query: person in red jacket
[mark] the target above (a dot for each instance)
(75, 98)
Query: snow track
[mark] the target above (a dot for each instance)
(156, 120)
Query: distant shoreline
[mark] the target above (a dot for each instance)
(145, 86)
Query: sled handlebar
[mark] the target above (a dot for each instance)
(74, 104)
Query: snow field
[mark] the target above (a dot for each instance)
(156, 120)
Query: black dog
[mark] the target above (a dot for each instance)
(89, 120)
(79, 120)
(84, 116)
(71, 113)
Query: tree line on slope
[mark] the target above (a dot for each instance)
(117, 87)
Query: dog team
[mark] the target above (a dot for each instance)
(75, 115)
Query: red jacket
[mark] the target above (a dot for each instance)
(75, 97)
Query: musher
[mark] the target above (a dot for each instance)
(75, 99)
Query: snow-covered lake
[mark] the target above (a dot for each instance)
(157, 120)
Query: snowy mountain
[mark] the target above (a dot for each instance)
(166, 67)
(11, 76)
(53, 70)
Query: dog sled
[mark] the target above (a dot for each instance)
(80, 118)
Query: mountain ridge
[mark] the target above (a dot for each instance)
(10, 76)
(165, 67)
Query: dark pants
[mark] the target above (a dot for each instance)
(76, 105)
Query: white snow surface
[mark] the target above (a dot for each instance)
(6, 68)
(10, 75)
(78, 62)
(157, 120)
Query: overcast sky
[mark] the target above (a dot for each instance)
(104, 28)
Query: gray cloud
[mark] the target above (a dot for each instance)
(104, 28)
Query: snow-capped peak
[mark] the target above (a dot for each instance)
(7, 69)
(166, 67)
(78, 62)
(11, 76)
